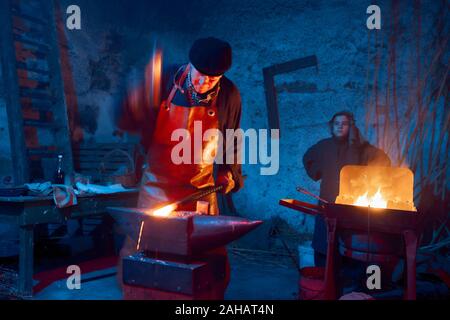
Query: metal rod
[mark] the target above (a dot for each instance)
(304, 191)
(200, 194)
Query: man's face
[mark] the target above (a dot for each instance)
(201, 82)
(341, 126)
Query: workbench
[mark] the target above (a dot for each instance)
(29, 211)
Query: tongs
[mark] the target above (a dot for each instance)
(304, 207)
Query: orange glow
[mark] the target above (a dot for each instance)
(164, 211)
(376, 201)
(377, 187)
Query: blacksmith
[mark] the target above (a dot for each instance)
(193, 92)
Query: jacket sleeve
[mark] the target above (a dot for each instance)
(233, 106)
(312, 163)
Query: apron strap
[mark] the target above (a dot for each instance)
(175, 87)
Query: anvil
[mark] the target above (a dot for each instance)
(181, 233)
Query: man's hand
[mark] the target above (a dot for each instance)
(226, 179)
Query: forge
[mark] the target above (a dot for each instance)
(373, 220)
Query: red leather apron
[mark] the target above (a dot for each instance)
(163, 180)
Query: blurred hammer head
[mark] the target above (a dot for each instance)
(153, 75)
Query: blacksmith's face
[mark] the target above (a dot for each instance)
(203, 83)
(341, 126)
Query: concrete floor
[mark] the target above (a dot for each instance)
(253, 276)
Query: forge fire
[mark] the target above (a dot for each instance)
(231, 151)
(377, 187)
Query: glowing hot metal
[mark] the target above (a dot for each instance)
(164, 211)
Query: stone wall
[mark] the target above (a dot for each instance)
(117, 36)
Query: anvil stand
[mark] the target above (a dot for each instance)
(336, 222)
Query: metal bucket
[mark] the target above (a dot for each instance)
(383, 250)
(375, 243)
(312, 283)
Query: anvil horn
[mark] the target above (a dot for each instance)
(216, 231)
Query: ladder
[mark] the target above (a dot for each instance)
(33, 90)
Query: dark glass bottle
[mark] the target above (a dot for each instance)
(59, 173)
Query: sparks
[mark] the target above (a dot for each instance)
(140, 235)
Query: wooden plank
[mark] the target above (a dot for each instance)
(97, 165)
(15, 121)
(105, 146)
(35, 94)
(102, 152)
(15, 9)
(62, 139)
(271, 100)
(269, 74)
(23, 66)
(26, 261)
(29, 84)
(40, 106)
(8, 201)
(34, 38)
(107, 164)
(23, 26)
(289, 66)
(46, 212)
(36, 52)
(40, 124)
(43, 152)
(40, 45)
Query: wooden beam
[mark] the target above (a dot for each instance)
(63, 140)
(11, 90)
(23, 66)
(269, 74)
(17, 12)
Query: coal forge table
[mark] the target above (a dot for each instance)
(26, 212)
(385, 222)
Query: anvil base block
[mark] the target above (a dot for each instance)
(149, 278)
(141, 293)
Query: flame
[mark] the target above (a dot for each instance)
(377, 201)
(362, 201)
(164, 211)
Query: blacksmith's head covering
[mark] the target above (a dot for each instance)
(211, 56)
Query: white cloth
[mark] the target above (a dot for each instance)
(98, 189)
(44, 188)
